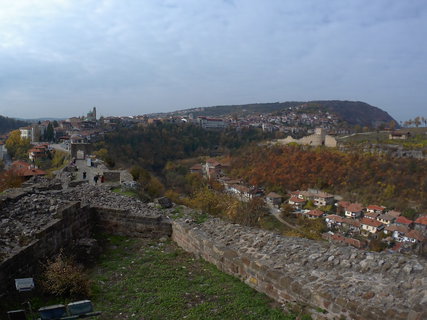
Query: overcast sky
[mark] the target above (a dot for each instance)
(59, 58)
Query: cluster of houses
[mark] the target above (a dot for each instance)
(213, 169)
(72, 130)
(354, 219)
(293, 120)
(26, 170)
(39, 151)
(352, 223)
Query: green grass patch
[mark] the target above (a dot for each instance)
(139, 279)
(197, 216)
(128, 193)
(270, 223)
(148, 279)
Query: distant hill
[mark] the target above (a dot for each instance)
(353, 112)
(40, 119)
(8, 124)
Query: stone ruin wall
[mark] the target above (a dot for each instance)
(315, 140)
(54, 228)
(72, 223)
(345, 282)
(122, 222)
(330, 141)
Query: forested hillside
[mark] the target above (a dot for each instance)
(9, 124)
(152, 146)
(399, 183)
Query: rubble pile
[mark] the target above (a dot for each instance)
(102, 196)
(20, 220)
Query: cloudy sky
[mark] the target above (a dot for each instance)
(59, 58)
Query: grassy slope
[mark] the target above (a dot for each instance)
(146, 279)
(418, 140)
(137, 280)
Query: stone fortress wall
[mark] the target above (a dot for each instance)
(343, 281)
(319, 138)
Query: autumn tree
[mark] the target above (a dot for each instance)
(247, 213)
(17, 147)
(149, 186)
(9, 179)
(104, 155)
(286, 210)
(59, 158)
(357, 176)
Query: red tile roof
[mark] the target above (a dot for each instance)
(315, 213)
(352, 222)
(354, 207)
(371, 215)
(296, 200)
(335, 218)
(376, 208)
(401, 229)
(371, 222)
(23, 169)
(415, 234)
(344, 204)
(403, 220)
(422, 220)
(322, 194)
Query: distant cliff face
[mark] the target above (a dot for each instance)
(352, 112)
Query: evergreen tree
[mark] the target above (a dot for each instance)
(49, 135)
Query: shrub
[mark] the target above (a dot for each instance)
(64, 277)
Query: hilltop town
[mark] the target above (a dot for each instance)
(60, 176)
(353, 223)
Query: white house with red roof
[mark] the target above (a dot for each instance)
(333, 220)
(386, 219)
(375, 209)
(341, 206)
(297, 202)
(314, 214)
(371, 226)
(322, 199)
(371, 215)
(354, 210)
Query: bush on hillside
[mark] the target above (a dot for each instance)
(64, 277)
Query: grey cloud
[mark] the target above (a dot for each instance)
(146, 56)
